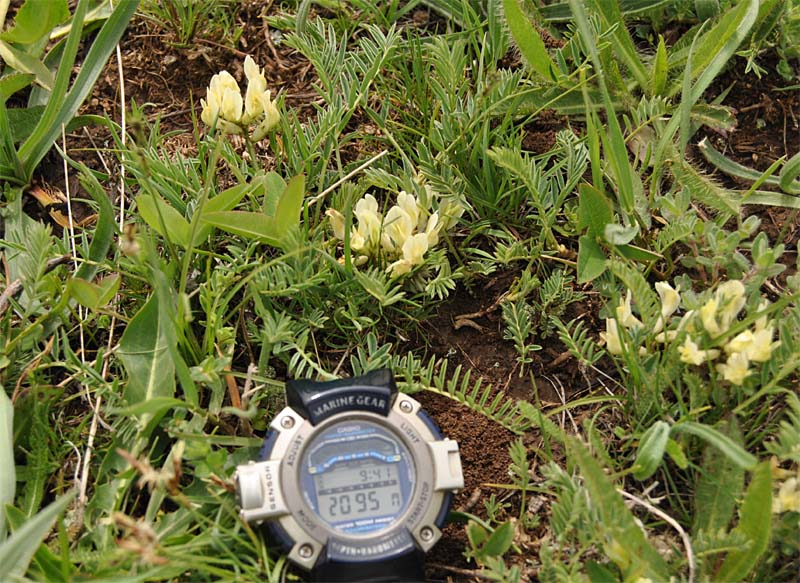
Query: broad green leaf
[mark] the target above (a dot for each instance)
(145, 355)
(500, 541)
(530, 43)
(476, 534)
(246, 224)
(224, 201)
(595, 210)
(287, 214)
(23, 121)
(735, 452)
(273, 186)
(13, 82)
(616, 234)
(626, 544)
(34, 21)
(719, 486)
(164, 219)
(93, 295)
(8, 480)
(591, 259)
(25, 63)
(18, 549)
(651, 450)
(638, 253)
(755, 521)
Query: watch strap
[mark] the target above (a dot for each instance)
(374, 392)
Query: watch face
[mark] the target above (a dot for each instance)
(357, 476)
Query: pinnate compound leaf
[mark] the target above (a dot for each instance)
(755, 521)
(145, 354)
(719, 486)
(17, 550)
(627, 545)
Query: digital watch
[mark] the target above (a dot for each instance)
(354, 480)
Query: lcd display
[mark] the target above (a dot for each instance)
(357, 476)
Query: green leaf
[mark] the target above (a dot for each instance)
(224, 201)
(287, 214)
(651, 450)
(13, 82)
(719, 486)
(676, 454)
(735, 452)
(93, 295)
(530, 43)
(154, 407)
(658, 77)
(164, 219)
(591, 259)
(595, 210)
(755, 520)
(35, 19)
(273, 185)
(627, 545)
(63, 105)
(476, 534)
(500, 541)
(25, 63)
(18, 549)
(259, 226)
(145, 354)
(8, 480)
(623, 45)
(105, 228)
(790, 175)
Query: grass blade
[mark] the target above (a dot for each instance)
(8, 475)
(18, 549)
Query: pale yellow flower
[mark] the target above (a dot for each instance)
(413, 254)
(761, 322)
(369, 220)
(223, 103)
(708, 315)
(432, 229)
(730, 295)
(757, 345)
(625, 315)
(397, 228)
(670, 298)
(788, 497)
(408, 202)
(736, 369)
(337, 223)
(611, 337)
(691, 353)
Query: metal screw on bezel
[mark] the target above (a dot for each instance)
(287, 422)
(406, 406)
(305, 551)
(426, 534)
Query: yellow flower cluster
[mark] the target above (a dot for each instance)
(225, 107)
(703, 327)
(787, 499)
(403, 236)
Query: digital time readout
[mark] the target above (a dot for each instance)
(358, 492)
(359, 477)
